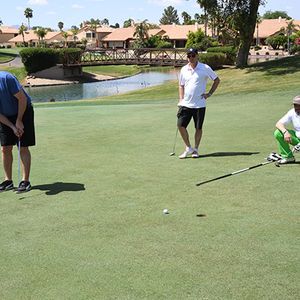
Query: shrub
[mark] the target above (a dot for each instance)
(257, 48)
(229, 51)
(214, 60)
(267, 53)
(37, 59)
(69, 55)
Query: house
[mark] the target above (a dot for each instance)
(176, 34)
(7, 33)
(32, 39)
(269, 27)
(94, 38)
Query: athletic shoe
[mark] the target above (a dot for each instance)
(195, 154)
(287, 160)
(6, 185)
(24, 186)
(186, 153)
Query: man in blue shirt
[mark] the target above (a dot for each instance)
(16, 127)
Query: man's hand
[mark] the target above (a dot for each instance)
(287, 137)
(206, 95)
(20, 128)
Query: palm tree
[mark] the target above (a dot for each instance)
(28, 14)
(60, 25)
(141, 31)
(290, 28)
(41, 33)
(74, 30)
(22, 30)
(65, 35)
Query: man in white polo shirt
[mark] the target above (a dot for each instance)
(192, 99)
(285, 136)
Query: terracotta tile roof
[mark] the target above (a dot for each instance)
(11, 30)
(180, 32)
(31, 36)
(271, 26)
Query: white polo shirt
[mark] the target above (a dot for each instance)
(292, 118)
(194, 82)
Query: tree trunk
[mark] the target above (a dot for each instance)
(242, 57)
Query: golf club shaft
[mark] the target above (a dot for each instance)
(174, 145)
(236, 172)
(19, 161)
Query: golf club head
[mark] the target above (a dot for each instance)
(172, 153)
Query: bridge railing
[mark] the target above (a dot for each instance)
(144, 56)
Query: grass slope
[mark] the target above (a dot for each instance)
(93, 228)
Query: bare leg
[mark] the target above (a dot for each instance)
(198, 136)
(7, 160)
(26, 162)
(185, 136)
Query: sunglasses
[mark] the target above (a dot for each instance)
(191, 55)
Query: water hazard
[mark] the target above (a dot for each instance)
(101, 88)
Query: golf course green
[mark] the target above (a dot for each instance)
(93, 225)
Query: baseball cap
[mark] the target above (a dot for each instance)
(191, 51)
(296, 100)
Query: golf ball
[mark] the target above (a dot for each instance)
(165, 211)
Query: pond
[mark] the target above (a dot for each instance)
(100, 88)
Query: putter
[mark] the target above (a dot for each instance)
(173, 152)
(240, 171)
(19, 161)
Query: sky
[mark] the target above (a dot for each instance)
(47, 13)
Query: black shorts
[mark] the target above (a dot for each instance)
(185, 114)
(7, 136)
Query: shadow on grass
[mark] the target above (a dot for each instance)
(287, 65)
(59, 187)
(221, 154)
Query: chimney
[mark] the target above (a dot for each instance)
(279, 19)
(196, 26)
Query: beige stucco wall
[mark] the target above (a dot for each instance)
(5, 37)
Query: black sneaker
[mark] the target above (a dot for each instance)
(24, 186)
(6, 185)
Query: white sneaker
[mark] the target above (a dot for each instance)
(287, 160)
(195, 154)
(186, 153)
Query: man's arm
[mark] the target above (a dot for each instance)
(181, 93)
(22, 104)
(6, 122)
(280, 126)
(213, 88)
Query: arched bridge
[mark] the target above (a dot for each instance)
(145, 56)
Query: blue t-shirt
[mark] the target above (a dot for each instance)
(9, 86)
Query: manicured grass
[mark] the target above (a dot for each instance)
(93, 228)
(20, 73)
(114, 71)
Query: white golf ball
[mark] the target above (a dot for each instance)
(165, 211)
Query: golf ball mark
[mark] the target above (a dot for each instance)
(165, 211)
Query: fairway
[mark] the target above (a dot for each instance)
(93, 226)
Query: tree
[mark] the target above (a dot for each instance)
(141, 31)
(243, 14)
(258, 21)
(65, 35)
(208, 6)
(22, 30)
(60, 25)
(275, 15)
(187, 19)
(128, 23)
(169, 16)
(28, 14)
(1, 23)
(105, 22)
(74, 30)
(41, 33)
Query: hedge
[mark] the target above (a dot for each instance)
(229, 51)
(214, 60)
(37, 59)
